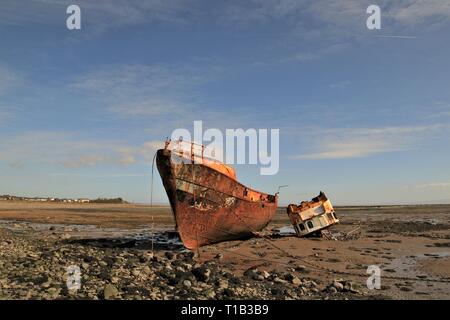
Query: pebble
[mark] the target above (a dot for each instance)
(35, 268)
(110, 292)
(338, 286)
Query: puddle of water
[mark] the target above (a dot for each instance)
(162, 236)
(406, 266)
(285, 231)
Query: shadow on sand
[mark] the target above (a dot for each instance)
(164, 240)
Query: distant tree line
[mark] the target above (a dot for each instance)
(106, 200)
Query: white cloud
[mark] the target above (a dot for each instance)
(141, 90)
(151, 106)
(434, 185)
(4, 115)
(166, 95)
(344, 17)
(99, 14)
(8, 79)
(364, 142)
(71, 150)
(336, 12)
(414, 12)
(136, 78)
(340, 84)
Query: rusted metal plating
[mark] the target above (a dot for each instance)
(208, 203)
(312, 216)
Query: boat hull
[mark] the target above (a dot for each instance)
(209, 206)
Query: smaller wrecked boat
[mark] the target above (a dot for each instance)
(311, 217)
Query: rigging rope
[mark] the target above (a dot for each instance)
(151, 204)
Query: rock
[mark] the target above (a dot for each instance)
(222, 284)
(143, 258)
(115, 280)
(202, 273)
(186, 266)
(332, 290)
(147, 270)
(187, 284)
(228, 293)
(265, 274)
(350, 286)
(288, 276)
(279, 280)
(53, 292)
(170, 255)
(276, 291)
(296, 281)
(259, 277)
(135, 272)
(168, 267)
(251, 272)
(219, 256)
(188, 256)
(180, 269)
(339, 286)
(210, 294)
(110, 292)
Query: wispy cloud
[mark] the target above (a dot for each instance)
(169, 96)
(434, 185)
(136, 78)
(396, 36)
(89, 175)
(364, 142)
(5, 114)
(419, 12)
(340, 84)
(99, 14)
(71, 150)
(141, 90)
(333, 12)
(8, 79)
(335, 18)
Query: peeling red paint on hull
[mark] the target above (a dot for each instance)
(210, 206)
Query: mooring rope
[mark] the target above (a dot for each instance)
(330, 270)
(151, 204)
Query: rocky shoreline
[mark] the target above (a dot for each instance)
(38, 266)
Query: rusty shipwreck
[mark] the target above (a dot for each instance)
(312, 217)
(208, 203)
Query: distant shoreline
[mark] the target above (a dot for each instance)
(116, 202)
(10, 198)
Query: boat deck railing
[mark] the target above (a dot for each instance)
(190, 150)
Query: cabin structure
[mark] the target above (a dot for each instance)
(312, 216)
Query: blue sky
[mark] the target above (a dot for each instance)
(364, 115)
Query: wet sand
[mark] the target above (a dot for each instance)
(409, 243)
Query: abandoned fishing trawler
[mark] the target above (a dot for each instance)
(312, 216)
(208, 203)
